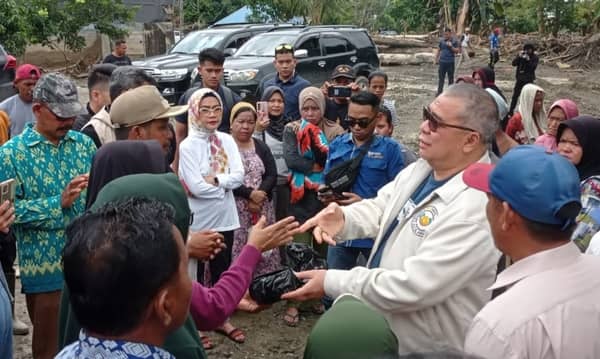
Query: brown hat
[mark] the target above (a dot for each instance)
(343, 71)
(141, 105)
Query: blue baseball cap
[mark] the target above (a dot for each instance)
(539, 185)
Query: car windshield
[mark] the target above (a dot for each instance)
(264, 45)
(197, 41)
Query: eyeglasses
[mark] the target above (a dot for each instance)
(361, 122)
(435, 122)
(208, 110)
(284, 47)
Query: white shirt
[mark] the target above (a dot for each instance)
(551, 310)
(465, 41)
(19, 112)
(435, 267)
(213, 207)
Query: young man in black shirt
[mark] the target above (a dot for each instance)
(119, 55)
(526, 62)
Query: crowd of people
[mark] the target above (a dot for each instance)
(140, 225)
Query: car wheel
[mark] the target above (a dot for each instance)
(362, 82)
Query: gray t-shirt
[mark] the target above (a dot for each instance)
(19, 112)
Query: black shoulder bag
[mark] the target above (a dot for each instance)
(341, 177)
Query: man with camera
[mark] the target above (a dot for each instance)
(337, 92)
(379, 161)
(526, 62)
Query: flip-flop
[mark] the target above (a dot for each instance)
(235, 335)
(207, 344)
(291, 320)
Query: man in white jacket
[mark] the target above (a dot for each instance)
(433, 256)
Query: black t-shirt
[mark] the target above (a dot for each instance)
(117, 61)
(337, 113)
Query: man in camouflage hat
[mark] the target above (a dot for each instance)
(50, 164)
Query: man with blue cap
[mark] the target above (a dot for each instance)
(551, 307)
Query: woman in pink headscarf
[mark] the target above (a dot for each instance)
(560, 111)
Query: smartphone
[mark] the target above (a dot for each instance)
(339, 91)
(328, 192)
(262, 109)
(7, 191)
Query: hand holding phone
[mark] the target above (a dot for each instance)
(7, 191)
(262, 115)
(339, 91)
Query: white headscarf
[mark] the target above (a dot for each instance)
(525, 108)
(194, 123)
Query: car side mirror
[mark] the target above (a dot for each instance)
(229, 51)
(301, 54)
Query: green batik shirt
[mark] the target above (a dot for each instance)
(42, 170)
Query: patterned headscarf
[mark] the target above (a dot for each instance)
(194, 104)
(219, 162)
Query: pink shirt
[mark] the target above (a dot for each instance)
(210, 307)
(551, 309)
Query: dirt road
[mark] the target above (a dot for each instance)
(412, 87)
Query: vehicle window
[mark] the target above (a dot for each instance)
(312, 46)
(264, 45)
(238, 41)
(195, 42)
(334, 45)
(360, 39)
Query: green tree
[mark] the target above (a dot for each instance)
(13, 27)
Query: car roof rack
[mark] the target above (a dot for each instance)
(286, 26)
(243, 25)
(333, 27)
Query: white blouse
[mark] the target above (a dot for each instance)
(213, 207)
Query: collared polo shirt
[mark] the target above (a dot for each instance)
(42, 171)
(380, 166)
(551, 309)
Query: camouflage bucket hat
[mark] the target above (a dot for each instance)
(59, 94)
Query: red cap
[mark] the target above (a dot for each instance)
(477, 176)
(497, 31)
(27, 71)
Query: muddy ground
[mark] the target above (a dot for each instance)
(412, 87)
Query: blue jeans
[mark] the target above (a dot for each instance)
(340, 257)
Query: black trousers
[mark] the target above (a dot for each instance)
(516, 93)
(494, 57)
(220, 263)
(445, 68)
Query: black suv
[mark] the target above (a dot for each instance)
(8, 64)
(318, 49)
(173, 70)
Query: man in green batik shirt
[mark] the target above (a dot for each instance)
(50, 165)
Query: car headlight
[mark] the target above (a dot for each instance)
(171, 74)
(242, 75)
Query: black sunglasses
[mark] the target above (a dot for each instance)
(361, 122)
(435, 122)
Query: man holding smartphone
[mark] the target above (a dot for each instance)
(49, 163)
(382, 162)
(337, 92)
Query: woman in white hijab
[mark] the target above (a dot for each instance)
(210, 167)
(529, 122)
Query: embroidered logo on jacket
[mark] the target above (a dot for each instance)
(422, 220)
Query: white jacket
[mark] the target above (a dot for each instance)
(435, 267)
(213, 207)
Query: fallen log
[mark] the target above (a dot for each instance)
(406, 59)
(398, 42)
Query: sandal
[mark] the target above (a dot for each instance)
(235, 335)
(291, 320)
(207, 344)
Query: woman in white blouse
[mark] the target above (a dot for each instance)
(210, 167)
